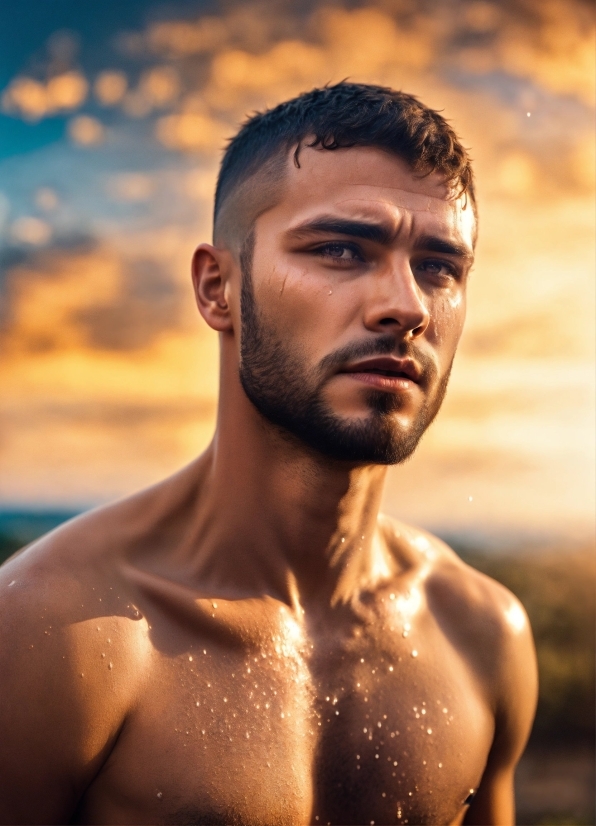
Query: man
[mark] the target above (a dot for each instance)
(249, 641)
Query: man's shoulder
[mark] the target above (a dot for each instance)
(462, 598)
(70, 662)
(66, 602)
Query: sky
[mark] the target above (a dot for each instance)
(112, 121)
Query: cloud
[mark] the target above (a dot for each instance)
(33, 99)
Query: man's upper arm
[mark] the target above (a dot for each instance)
(516, 694)
(56, 727)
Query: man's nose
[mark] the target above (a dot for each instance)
(397, 303)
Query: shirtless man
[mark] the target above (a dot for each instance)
(250, 641)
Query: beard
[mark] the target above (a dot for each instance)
(290, 396)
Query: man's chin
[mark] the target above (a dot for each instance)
(370, 440)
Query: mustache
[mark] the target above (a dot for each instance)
(386, 345)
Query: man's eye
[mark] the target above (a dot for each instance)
(339, 252)
(434, 267)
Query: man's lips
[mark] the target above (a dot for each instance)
(385, 372)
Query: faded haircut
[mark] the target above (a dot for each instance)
(343, 116)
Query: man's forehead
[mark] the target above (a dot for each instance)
(394, 211)
(369, 184)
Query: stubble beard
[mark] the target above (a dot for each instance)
(289, 396)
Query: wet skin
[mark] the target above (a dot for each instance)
(249, 641)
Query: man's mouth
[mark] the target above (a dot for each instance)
(386, 372)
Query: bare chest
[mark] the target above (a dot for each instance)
(349, 735)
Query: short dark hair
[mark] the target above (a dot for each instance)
(342, 116)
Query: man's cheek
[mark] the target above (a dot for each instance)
(447, 316)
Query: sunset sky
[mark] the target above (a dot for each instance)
(112, 120)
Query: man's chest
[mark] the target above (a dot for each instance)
(350, 735)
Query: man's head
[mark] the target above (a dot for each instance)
(344, 232)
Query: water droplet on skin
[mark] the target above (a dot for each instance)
(103, 655)
(429, 731)
(110, 666)
(404, 633)
(197, 703)
(444, 711)
(376, 756)
(204, 651)
(365, 730)
(383, 794)
(160, 795)
(10, 584)
(214, 604)
(414, 653)
(330, 292)
(395, 762)
(440, 765)
(225, 699)
(190, 658)
(361, 659)
(378, 725)
(390, 668)
(423, 711)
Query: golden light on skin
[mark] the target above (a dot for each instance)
(380, 570)
(409, 604)
(516, 617)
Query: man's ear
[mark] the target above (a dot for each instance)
(211, 268)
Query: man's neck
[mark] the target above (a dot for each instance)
(285, 520)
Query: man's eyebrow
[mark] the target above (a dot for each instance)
(379, 233)
(432, 243)
(369, 231)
